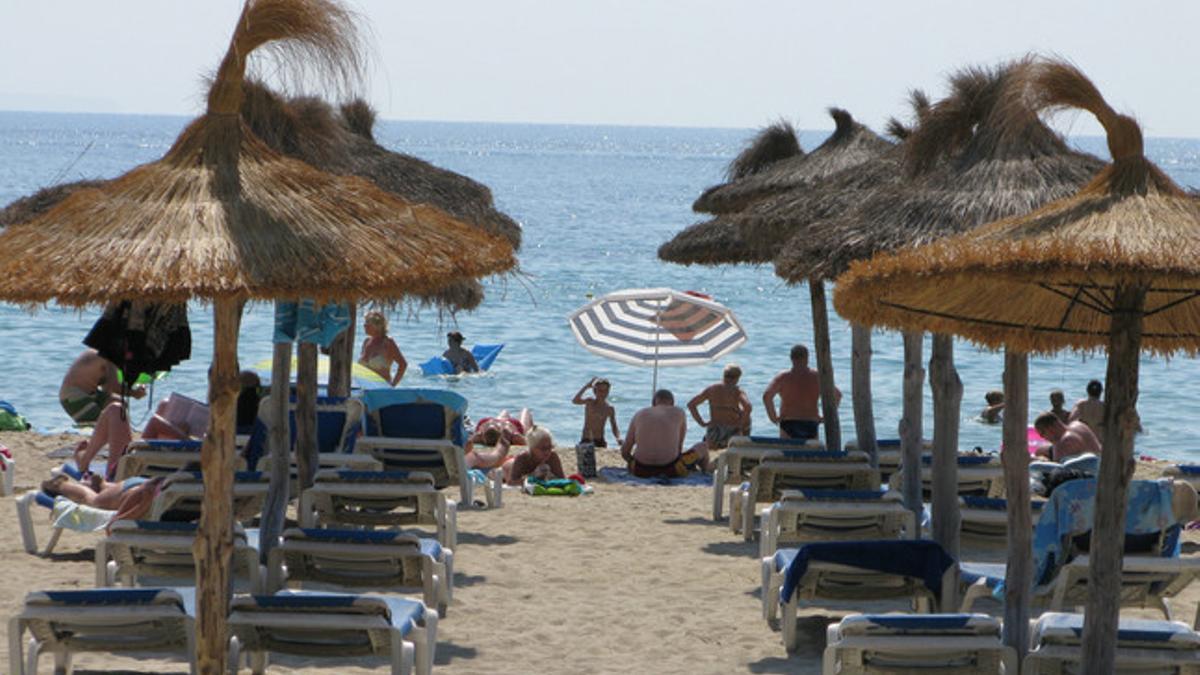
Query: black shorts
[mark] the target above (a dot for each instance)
(596, 442)
(799, 428)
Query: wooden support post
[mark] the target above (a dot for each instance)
(306, 415)
(341, 359)
(860, 382)
(279, 442)
(213, 548)
(829, 398)
(947, 402)
(1018, 587)
(1112, 487)
(910, 426)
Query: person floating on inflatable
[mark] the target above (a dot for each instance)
(462, 360)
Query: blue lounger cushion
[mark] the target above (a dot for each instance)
(994, 504)
(775, 440)
(429, 547)
(816, 454)
(170, 444)
(1065, 628)
(382, 476)
(183, 598)
(842, 495)
(920, 559)
(965, 460)
(1189, 469)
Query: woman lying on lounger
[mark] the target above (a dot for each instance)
(130, 498)
(493, 436)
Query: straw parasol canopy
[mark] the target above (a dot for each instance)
(712, 242)
(850, 144)
(774, 143)
(224, 217)
(1113, 265)
(767, 225)
(972, 159)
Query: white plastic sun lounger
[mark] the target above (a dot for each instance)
(332, 625)
(375, 559)
(733, 465)
(139, 550)
(181, 499)
(854, 571)
(796, 471)
(985, 519)
(963, 644)
(1143, 646)
(162, 458)
(8, 467)
(326, 461)
(833, 515)
(978, 475)
(887, 453)
(110, 620)
(369, 499)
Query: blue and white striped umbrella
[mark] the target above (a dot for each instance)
(657, 327)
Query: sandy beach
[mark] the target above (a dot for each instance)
(626, 580)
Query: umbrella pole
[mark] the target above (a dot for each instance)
(829, 401)
(275, 506)
(213, 547)
(341, 358)
(910, 426)
(306, 415)
(860, 381)
(1112, 487)
(947, 400)
(657, 341)
(1015, 457)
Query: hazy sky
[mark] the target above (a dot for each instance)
(655, 62)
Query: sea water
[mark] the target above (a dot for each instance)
(595, 203)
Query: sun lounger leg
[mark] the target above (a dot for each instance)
(429, 635)
(31, 661)
(747, 516)
(25, 518)
(53, 541)
(768, 567)
(1163, 607)
(10, 470)
(450, 522)
(735, 510)
(495, 488)
(402, 655)
(62, 663)
(448, 561)
(191, 647)
(719, 487)
(101, 564)
(790, 611)
(15, 659)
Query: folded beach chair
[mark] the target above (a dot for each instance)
(332, 625)
(1151, 572)
(422, 430)
(1143, 646)
(919, 570)
(147, 553)
(375, 559)
(913, 643)
(733, 465)
(369, 499)
(833, 515)
(984, 520)
(796, 470)
(978, 475)
(181, 499)
(110, 620)
(161, 458)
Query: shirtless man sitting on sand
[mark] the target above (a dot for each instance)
(90, 393)
(596, 411)
(728, 409)
(1067, 440)
(539, 460)
(654, 442)
(799, 391)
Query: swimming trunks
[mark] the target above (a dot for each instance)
(799, 428)
(677, 469)
(717, 435)
(84, 407)
(596, 442)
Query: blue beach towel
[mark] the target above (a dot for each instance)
(920, 559)
(614, 474)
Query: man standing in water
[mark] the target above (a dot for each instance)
(799, 391)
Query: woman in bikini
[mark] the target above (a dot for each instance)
(379, 351)
(488, 446)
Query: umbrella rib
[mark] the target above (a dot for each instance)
(1191, 296)
(1074, 298)
(1070, 305)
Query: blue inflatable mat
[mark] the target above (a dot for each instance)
(484, 356)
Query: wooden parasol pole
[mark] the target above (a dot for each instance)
(306, 415)
(213, 547)
(860, 382)
(947, 400)
(910, 426)
(341, 358)
(279, 439)
(829, 401)
(1112, 488)
(1018, 586)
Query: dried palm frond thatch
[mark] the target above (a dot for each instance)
(850, 144)
(979, 155)
(712, 242)
(768, 224)
(773, 143)
(1042, 281)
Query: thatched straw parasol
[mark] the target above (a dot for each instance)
(774, 143)
(223, 217)
(850, 144)
(712, 242)
(1113, 265)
